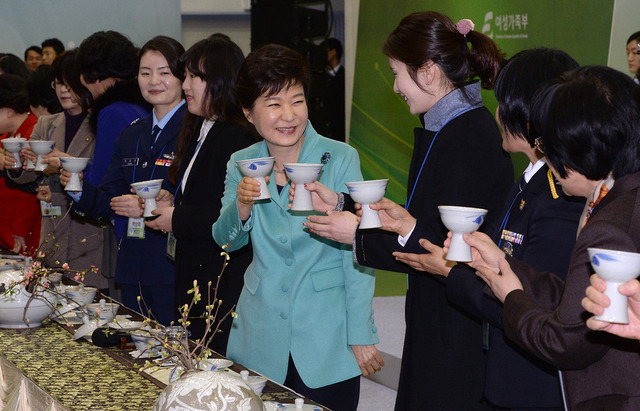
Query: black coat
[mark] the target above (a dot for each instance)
(197, 255)
(443, 361)
(548, 225)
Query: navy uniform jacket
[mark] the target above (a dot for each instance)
(542, 230)
(600, 370)
(139, 261)
(443, 362)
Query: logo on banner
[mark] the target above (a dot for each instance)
(506, 26)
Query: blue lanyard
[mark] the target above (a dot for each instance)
(505, 220)
(155, 163)
(415, 183)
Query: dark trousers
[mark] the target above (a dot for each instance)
(155, 298)
(341, 396)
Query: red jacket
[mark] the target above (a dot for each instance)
(19, 211)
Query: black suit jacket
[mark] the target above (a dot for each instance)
(443, 362)
(197, 255)
(515, 378)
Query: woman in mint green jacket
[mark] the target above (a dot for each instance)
(304, 315)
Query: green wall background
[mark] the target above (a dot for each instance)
(381, 125)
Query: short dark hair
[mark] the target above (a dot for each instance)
(13, 94)
(270, 69)
(431, 36)
(65, 70)
(635, 36)
(523, 75)
(32, 48)
(334, 44)
(39, 90)
(107, 54)
(170, 48)
(587, 120)
(53, 43)
(216, 60)
(12, 64)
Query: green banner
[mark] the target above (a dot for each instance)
(381, 125)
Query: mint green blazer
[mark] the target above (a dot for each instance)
(303, 295)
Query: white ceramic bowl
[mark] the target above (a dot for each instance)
(14, 145)
(107, 313)
(214, 364)
(616, 268)
(74, 165)
(302, 173)
(145, 343)
(54, 277)
(257, 383)
(148, 190)
(41, 147)
(258, 168)
(12, 312)
(365, 193)
(82, 297)
(461, 220)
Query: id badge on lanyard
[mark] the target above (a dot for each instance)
(48, 210)
(171, 246)
(135, 228)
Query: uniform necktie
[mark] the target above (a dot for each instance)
(154, 134)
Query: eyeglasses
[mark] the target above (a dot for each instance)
(539, 144)
(57, 83)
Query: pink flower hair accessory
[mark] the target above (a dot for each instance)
(464, 26)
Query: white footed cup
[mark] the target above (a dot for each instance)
(365, 193)
(258, 169)
(41, 147)
(615, 268)
(461, 220)
(148, 190)
(74, 165)
(14, 145)
(301, 174)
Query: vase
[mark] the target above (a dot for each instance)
(12, 313)
(208, 390)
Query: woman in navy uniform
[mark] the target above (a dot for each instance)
(538, 225)
(590, 136)
(143, 151)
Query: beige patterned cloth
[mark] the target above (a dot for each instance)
(65, 374)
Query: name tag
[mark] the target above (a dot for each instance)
(135, 228)
(49, 210)
(171, 247)
(129, 162)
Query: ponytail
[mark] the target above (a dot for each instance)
(431, 36)
(485, 58)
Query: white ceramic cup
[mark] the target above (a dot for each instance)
(615, 268)
(365, 193)
(148, 190)
(258, 169)
(301, 174)
(74, 165)
(461, 220)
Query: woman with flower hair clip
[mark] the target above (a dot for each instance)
(457, 160)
